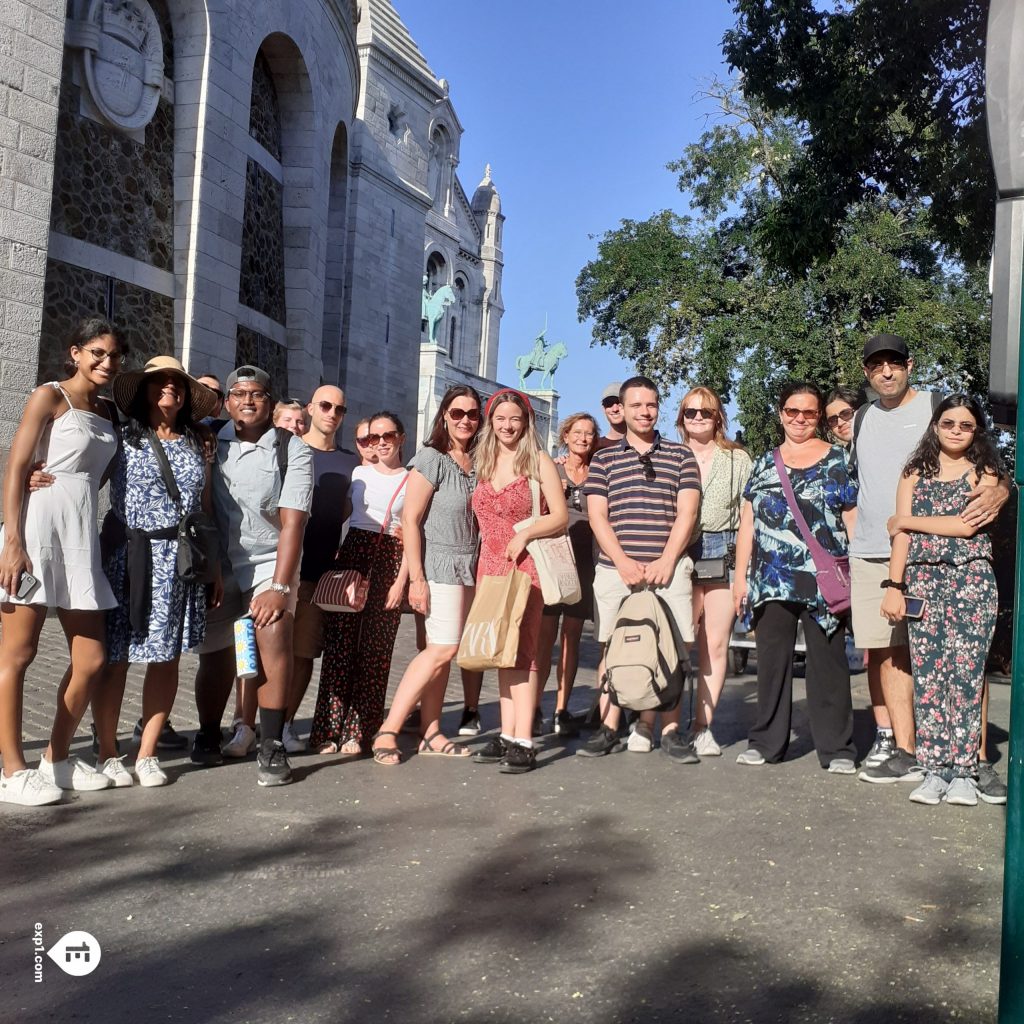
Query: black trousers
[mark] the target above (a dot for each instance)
(827, 678)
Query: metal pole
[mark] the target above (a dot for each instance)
(1011, 966)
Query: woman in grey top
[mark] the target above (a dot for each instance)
(440, 536)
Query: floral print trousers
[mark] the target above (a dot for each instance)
(948, 650)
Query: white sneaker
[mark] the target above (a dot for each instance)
(293, 742)
(705, 745)
(963, 792)
(149, 772)
(242, 743)
(115, 770)
(750, 756)
(73, 773)
(640, 741)
(28, 788)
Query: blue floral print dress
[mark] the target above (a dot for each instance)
(138, 495)
(781, 567)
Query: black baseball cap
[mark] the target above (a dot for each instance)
(885, 343)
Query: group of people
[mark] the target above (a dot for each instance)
(905, 488)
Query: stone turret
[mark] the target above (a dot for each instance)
(486, 207)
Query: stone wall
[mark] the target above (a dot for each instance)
(261, 285)
(257, 349)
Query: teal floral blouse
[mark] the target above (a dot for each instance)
(781, 567)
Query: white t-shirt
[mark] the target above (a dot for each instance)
(886, 439)
(371, 493)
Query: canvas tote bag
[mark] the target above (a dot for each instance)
(556, 564)
(490, 638)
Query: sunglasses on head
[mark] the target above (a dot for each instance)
(326, 407)
(845, 416)
(470, 414)
(372, 440)
(704, 414)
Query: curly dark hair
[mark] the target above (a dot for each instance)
(137, 425)
(982, 454)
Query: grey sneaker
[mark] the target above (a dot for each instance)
(990, 787)
(750, 756)
(679, 747)
(962, 792)
(881, 750)
(901, 767)
(842, 766)
(604, 741)
(931, 791)
(272, 767)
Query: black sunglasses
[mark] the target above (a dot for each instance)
(645, 461)
(607, 403)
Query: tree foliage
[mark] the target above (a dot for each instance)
(889, 95)
(701, 298)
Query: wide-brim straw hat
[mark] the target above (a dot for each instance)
(126, 386)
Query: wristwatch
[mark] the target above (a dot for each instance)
(901, 587)
(281, 588)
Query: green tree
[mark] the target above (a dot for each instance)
(890, 97)
(699, 298)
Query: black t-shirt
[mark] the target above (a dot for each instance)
(332, 477)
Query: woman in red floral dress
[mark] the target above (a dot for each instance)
(508, 457)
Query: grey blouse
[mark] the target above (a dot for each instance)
(450, 534)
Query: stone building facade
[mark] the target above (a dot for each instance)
(240, 181)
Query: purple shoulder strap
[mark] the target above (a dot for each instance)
(818, 553)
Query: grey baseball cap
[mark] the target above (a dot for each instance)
(612, 391)
(247, 374)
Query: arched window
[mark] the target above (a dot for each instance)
(437, 272)
(439, 180)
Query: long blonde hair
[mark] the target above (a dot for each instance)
(721, 420)
(526, 461)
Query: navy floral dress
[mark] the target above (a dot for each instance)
(781, 567)
(138, 495)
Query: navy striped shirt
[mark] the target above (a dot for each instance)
(642, 511)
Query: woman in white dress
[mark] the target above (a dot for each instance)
(50, 558)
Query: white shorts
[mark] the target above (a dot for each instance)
(609, 591)
(449, 606)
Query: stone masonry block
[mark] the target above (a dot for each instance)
(27, 259)
(41, 86)
(17, 286)
(33, 112)
(20, 376)
(21, 228)
(12, 73)
(38, 52)
(32, 201)
(9, 130)
(33, 142)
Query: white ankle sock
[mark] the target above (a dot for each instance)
(524, 743)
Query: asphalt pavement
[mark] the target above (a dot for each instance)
(625, 888)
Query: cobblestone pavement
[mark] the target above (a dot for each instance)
(622, 889)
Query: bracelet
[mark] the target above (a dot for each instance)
(901, 587)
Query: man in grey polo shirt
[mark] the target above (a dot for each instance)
(262, 516)
(884, 438)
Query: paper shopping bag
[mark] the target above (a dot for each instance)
(490, 638)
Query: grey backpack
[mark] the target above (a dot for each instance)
(643, 669)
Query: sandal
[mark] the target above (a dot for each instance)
(389, 756)
(450, 749)
(351, 748)
(330, 747)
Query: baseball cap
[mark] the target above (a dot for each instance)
(248, 374)
(885, 343)
(612, 391)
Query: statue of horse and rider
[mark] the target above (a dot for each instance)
(433, 307)
(541, 359)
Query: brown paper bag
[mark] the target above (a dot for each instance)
(490, 638)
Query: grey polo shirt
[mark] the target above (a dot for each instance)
(247, 495)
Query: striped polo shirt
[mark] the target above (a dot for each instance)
(641, 510)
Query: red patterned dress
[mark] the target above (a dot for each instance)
(496, 511)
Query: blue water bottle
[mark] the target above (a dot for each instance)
(246, 657)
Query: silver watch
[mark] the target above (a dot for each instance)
(280, 588)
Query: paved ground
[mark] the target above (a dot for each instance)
(622, 889)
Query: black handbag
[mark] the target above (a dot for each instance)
(707, 571)
(198, 538)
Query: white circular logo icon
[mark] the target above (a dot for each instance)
(76, 953)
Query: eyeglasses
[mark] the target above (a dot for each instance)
(964, 425)
(845, 416)
(645, 461)
(473, 415)
(893, 362)
(607, 403)
(800, 414)
(99, 355)
(257, 396)
(372, 440)
(704, 414)
(326, 407)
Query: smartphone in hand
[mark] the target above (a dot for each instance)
(26, 585)
(915, 606)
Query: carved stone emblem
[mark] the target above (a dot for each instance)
(122, 58)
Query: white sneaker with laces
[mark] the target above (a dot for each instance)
(705, 744)
(640, 739)
(149, 772)
(962, 792)
(73, 773)
(293, 743)
(115, 770)
(242, 743)
(28, 789)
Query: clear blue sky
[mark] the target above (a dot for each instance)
(577, 105)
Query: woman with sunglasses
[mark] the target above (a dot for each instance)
(724, 470)
(367, 454)
(840, 409)
(578, 435)
(358, 645)
(441, 538)
(51, 559)
(947, 562)
(776, 574)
